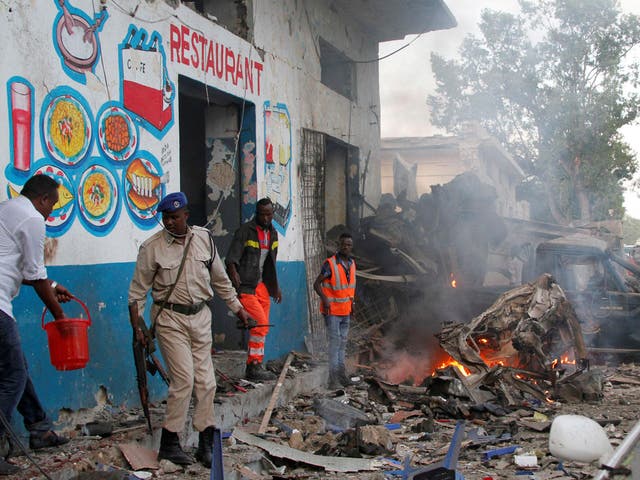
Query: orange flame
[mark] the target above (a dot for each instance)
(454, 282)
(453, 363)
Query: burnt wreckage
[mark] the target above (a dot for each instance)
(421, 268)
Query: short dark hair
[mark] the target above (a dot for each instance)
(38, 186)
(345, 235)
(264, 202)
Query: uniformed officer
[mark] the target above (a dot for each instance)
(182, 268)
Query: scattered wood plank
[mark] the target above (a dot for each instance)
(275, 395)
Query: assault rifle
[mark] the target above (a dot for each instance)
(146, 361)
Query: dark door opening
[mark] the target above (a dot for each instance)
(217, 138)
(341, 195)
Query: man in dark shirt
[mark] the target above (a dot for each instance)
(251, 265)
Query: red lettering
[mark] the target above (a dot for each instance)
(203, 45)
(239, 75)
(174, 35)
(184, 30)
(219, 60)
(211, 62)
(192, 48)
(258, 67)
(195, 61)
(248, 74)
(230, 66)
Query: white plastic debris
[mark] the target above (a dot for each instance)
(578, 438)
(526, 461)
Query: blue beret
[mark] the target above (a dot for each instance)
(172, 202)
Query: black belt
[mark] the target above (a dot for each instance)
(183, 309)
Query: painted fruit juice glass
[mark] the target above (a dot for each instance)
(21, 125)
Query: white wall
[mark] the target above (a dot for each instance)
(286, 72)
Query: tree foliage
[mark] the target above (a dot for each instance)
(554, 83)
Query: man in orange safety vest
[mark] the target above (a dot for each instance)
(336, 286)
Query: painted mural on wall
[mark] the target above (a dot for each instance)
(95, 158)
(75, 38)
(249, 185)
(277, 135)
(145, 87)
(221, 178)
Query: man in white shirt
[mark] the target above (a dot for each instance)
(22, 235)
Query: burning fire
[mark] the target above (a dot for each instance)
(450, 362)
(563, 360)
(453, 282)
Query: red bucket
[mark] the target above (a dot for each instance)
(68, 342)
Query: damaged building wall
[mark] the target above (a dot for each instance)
(440, 158)
(102, 116)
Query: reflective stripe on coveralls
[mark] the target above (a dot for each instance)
(257, 305)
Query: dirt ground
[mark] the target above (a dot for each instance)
(412, 432)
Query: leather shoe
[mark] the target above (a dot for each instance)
(7, 468)
(171, 450)
(204, 453)
(48, 439)
(256, 373)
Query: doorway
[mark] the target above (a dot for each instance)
(217, 138)
(330, 200)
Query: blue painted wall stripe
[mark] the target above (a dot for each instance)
(103, 288)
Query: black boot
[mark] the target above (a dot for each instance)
(7, 468)
(256, 373)
(343, 378)
(334, 381)
(171, 450)
(40, 440)
(205, 447)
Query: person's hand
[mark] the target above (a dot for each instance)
(62, 294)
(244, 317)
(278, 297)
(139, 336)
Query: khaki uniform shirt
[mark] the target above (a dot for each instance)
(157, 267)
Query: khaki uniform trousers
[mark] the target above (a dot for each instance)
(185, 342)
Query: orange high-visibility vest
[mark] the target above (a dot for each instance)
(338, 290)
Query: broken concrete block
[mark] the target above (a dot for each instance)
(578, 438)
(374, 440)
(340, 415)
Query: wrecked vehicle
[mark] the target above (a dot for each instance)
(435, 254)
(601, 286)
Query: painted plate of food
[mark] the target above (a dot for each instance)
(63, 209)
(117, 134)
(67, 129)
(144, 187)
(97, 195)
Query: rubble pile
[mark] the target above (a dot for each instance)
(373, 430)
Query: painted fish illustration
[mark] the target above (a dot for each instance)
(64, 197)
(13, 193)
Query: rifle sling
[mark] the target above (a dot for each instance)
(166, 298)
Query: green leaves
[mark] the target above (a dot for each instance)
(554, 84)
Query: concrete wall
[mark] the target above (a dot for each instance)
(96, 110)
(439, 159)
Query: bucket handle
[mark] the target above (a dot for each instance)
(44, 311)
